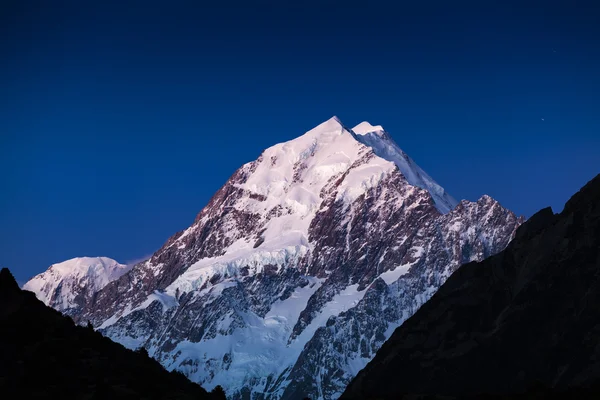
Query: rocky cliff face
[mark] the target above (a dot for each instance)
(300, 266)
(521, 323)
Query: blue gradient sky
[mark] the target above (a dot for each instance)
(119, 120)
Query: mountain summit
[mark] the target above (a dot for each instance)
(365, 127)
(299, 267)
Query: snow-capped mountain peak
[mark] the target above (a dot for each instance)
(296, 271)
(333, 124)
(60, 284)
(337, 146)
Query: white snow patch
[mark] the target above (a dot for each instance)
(365, 127)
(343, 301)
(392, 276)
(230, 264)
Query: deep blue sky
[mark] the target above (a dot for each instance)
(119, 120)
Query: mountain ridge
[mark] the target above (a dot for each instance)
(520, 323)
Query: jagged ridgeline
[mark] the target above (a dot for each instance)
(523, 324)
(44, 355)
(295, 273)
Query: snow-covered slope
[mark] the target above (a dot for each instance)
(299, 267)
(66, 285)
(383, 145)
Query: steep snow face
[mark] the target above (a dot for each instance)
(299, 267)
(383, 145)
(61, 284)
(290, 177)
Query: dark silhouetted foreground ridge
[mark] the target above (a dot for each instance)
(44, 355)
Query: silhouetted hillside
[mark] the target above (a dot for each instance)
(44, 355)
(522, 324)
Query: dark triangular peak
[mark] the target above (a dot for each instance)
(7, 281)
(586, 200)
(46, 356)
(521, 323)
(536, 223)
